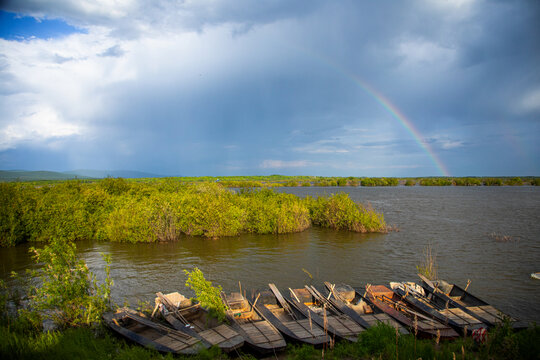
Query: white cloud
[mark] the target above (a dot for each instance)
(530, 102)
(444, 142)
(419, 52)
(40, 124)
(281, 164)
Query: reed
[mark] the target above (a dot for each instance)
(428, 265)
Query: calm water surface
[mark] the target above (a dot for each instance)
(456, 221)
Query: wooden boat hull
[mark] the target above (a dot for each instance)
(367, 320)
(384, 299)
(136, 327)
(337, 323)
(295, 327)
(258, 333)
(455, 318)
(196, 321)
(455, 297)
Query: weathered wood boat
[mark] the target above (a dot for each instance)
(415, 296)
(195, 321)
(359, 308)
(460, 300)
(138, 328)
(288, 320)
(258, 332)
(312, 304)
(389, 302)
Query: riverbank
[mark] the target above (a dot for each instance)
(21, 342)
(74, 290)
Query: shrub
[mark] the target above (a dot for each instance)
(492, 181)
(410, 182)
(515, 181)
(129, 221)
(69, 293)
(207, 295)
(340, 212)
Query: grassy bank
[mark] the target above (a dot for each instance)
(376, 343)
(162, 210)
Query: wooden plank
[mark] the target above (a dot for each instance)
(281, 300)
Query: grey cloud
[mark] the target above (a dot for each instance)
(285, 76)
(113, 51)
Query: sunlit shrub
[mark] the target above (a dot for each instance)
(340, 212)
(207, 295)
(69, 293)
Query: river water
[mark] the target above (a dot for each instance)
(460, 223)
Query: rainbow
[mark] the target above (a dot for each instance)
(406, 123)
(387, 105)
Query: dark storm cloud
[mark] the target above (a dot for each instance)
(211, 87)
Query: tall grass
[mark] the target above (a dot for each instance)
(428, 264)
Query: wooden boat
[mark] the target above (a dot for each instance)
(312, 304)
(459, 300)
(138, 328)
(389, 302)
(359, 308)
(258, 332)
(415, 296)
(288, 320)
(195, 321)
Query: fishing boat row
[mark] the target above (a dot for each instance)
(311, 315)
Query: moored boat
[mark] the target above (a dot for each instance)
(455, 297)
(195, 320)
(138, 328)
(288, 320)
(312, 304)
(389, 302)
(258, 332)
(360, 308)
(414, 295)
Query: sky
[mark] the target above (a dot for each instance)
(241, 87)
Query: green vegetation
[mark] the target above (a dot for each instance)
(69, 293)
(161, 210)
(207, 295)
(428, 266)
(379, 182)
(383, 342)
(410, 182)
(69, 288)
(436, 182)
(340, 212)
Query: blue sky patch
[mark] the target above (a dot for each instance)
(19, 27)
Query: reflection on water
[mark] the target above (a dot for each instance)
(457, 221)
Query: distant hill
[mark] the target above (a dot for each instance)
(22, 175)
(98, 174)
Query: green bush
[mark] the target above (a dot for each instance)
(207, 295)
(69, 293)
(118, 210)
(436, 182)
(379, 182)
(15, 202)
(492, 182)
(410, 182)
(467, 181)
(341, 213)
(515, 181)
